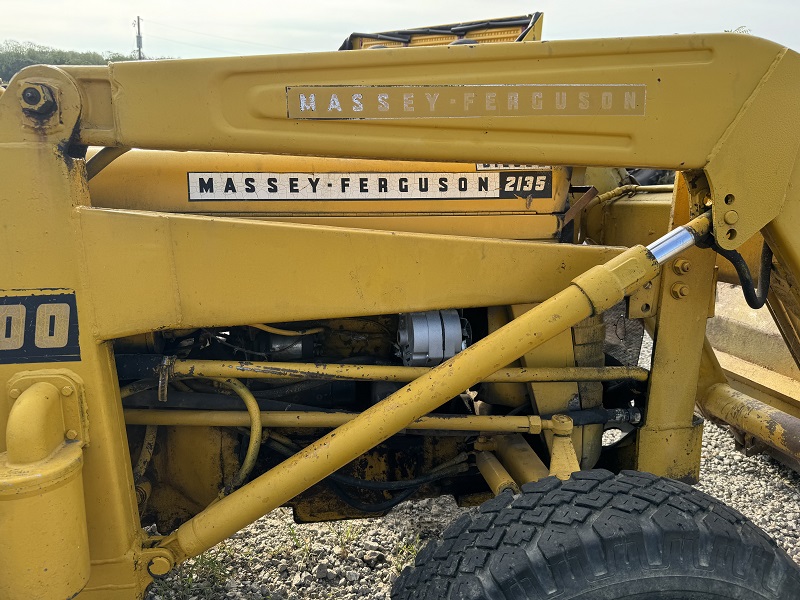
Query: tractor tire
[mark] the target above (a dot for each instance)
(600, 536)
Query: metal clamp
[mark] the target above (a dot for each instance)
(165, 371)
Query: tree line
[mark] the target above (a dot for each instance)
(18, 55)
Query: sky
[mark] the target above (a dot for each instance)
(203, 28)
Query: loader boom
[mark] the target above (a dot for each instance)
(679, 102)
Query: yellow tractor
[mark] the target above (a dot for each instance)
(338, 281)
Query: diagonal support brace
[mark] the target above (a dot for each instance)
(592, 292)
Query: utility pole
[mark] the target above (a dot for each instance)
(139, 36)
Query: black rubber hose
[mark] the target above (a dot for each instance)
(755, 297)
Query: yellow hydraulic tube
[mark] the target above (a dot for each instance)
(254, 415)
(286, 332)
(146, 453)
(592, 292)
(102, 159)
(313, 420)
(518, 457)
(253, 418)
(267, 370)
(493, 472)
(774, 427)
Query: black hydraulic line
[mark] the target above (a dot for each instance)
(755, 297)
(534, 18)
(336, 480)
(291, 389)
(370, 508)
(601, 416)
(369, 484)
(148, 398)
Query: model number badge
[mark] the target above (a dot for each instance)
(536, 184)
(39, 326)
(369, 186)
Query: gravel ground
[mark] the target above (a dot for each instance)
(277, 559)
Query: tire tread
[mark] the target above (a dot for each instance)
(557, 539)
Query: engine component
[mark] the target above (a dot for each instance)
(429, 338)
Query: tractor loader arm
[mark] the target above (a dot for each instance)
(717, 104)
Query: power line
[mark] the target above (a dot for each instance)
(220, 36)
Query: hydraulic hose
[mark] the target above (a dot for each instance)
(148, 444)
(755, 297)
(255, 432)
(253, 411)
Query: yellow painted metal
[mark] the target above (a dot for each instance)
(194, 465)
(504, 394)
(494, 473)
(563, 460)
(669, 442)
(44, 251)
(552, 397)
(150, 253)
(588, 338)
(99, 161)
(136, 272)
(490, 32)
(286, 370)
(157, 181)
(518, 457)
(627, 221)
(769, 387)
(784, 305)
(73, 398)
(594, 291)
(44, 547)
(242, 104)
(730, 184)
(311, 419)
(770, 425)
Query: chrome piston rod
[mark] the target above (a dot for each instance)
(680, 238)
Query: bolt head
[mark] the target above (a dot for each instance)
(680, 291)
(71, 434)
(681, 266)
(31, 96)
(66, 390)
(731, 217)
(38, 99)
(562, 424)
(159, 566)
(15, 393)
